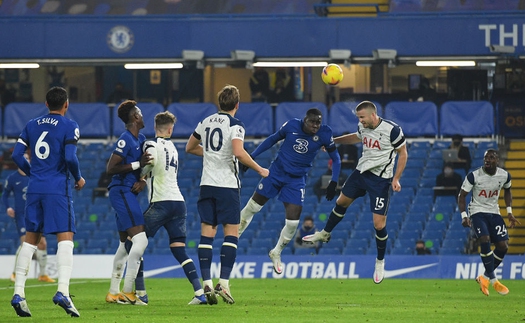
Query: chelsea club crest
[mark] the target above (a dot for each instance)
(120, 39)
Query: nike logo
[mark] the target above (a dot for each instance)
(150, 273)
(17, 183)
(295, 133)
(399, 272)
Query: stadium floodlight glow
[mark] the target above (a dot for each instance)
(290, 64)
(445, 63)
(152, 66)
(19, 65)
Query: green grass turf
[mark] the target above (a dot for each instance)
(283, 300)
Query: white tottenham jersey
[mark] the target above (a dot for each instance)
(379, 148)
(485, 189)
(219, 167)
(162, 172)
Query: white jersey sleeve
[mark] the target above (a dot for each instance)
(220, 167)
(485, 189)
(162, 173)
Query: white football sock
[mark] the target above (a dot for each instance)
(41, 258)
(287, 233)
(65, 265)
(22, 267)
(140, 242)
(119, 263)
(247, 214)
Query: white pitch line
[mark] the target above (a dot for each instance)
(54, 284)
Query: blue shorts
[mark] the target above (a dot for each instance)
(49, 213)
(290, 188)
(127, 207)
(20, 222)
(489, 224)
(378, 188)
(168, 214)
(219, 205)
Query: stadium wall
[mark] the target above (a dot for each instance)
(317, 267)
(108, 38)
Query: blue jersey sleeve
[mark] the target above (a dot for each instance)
(270, 141)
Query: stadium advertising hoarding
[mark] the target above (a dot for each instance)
(305, 267)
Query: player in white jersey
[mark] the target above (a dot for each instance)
(485, 219)
(222, 138)
(167, 208)
(382, 141)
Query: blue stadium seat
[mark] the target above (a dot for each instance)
(262, 242)
(415, 118)
(329, 251)
(304, 251)
(189, 115)
(257, 251)
(467, 118)
(450, 251)
(353, 251)
(342, 117)
(257, 118)
(402, 250)
(358, 243)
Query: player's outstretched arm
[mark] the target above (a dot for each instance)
(350, 139)
(245, 158)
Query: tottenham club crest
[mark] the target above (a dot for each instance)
(120, 39)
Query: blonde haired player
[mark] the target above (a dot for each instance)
(382, 141)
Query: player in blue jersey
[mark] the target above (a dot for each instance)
(52, 140)
(167, 208)
(382, 141)
(301, 140)
(124, 165)
(16, 183)
(222, 138)
(485, 183)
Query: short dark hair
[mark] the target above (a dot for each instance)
(366, 105)
(313, 112)
(56, 97)
(228, 97)
(124, 110)
(490, 150)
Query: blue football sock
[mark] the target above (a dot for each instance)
(228, 255)
(335, 217)
(381, 239)
(487, 257)
(205, 253)
(187, 264)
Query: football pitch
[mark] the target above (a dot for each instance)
(282, 300)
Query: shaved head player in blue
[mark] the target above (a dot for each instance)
(301, 140)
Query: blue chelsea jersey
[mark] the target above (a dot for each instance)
(47, 137)
(130, 149)
(298, 149)
(16, 183)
